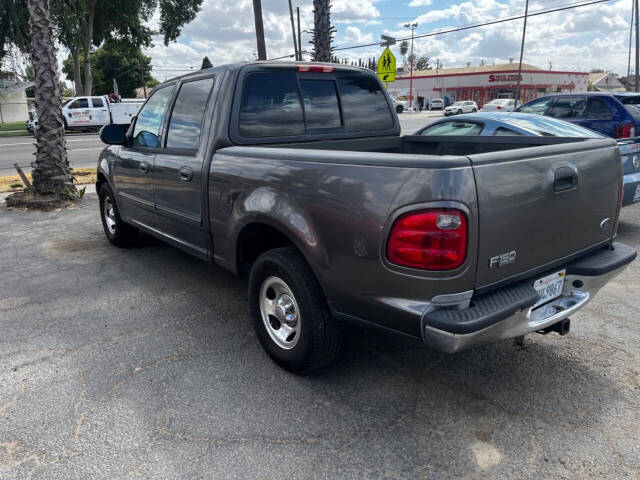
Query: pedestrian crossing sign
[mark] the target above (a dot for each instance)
(387, 66)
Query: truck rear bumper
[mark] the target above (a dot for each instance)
(507, 311)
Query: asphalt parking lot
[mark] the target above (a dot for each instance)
(142, 363)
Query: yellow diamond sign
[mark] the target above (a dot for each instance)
(387, 66)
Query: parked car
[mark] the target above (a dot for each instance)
(516, 124)
(337, 218)
(436, 104)
(501, 104)
(399, 105)
(505, 124)
(615, 115)
(458, 108)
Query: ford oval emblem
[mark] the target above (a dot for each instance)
(605, 224)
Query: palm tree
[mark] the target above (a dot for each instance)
(322, 31)
(51, 172)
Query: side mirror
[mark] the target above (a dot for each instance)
(113, 135)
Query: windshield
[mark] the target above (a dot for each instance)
(551, 127)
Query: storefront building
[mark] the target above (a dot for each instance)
(487, 82)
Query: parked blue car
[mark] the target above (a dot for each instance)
(517, 123)
(615, 115)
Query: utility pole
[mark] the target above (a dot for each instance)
(524, 32)
(633, 9)
(257, 17)
(299, 35)
(293, 31)
(637, 50)
(413, 27)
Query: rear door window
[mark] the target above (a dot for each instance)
(97, 102)
(364, 105)
(270, 106)
(567, 107)
(597, 109)
(187, 118)
(321, 108)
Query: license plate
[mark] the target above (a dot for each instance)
(549, 287)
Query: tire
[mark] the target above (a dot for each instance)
(399, 109)
(474, 110)
(282, 283)
(117, 232)
(459, 112)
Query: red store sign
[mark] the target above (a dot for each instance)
(505, 78)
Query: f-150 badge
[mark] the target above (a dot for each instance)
(502, 260)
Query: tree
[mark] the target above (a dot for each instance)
(597, 70)
(422, 63)
(206, 63)
(323, 31)
(14, 18)
(115, 59)
(51, 172)
(84, 24)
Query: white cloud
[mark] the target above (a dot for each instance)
(420, 3)
(353, 35)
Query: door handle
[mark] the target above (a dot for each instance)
(186, 174)
(144, 167)
(565, 179)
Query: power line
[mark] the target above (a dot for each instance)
(477, 25)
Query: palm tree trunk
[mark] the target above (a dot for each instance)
(88, 78)
(51, 172)
(322, 31)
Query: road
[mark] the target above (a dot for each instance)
(84, 148)
(142, 363)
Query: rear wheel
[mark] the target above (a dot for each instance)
(399, 109)
(291, 318)
(474, 110)
(117, 232)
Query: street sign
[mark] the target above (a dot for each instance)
(387, 41)
(387, 66)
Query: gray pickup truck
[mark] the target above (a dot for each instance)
(297, 176)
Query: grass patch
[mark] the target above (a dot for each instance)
(12, 183)
(15, 134)
(13, 126)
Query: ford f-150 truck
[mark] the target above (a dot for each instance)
(296, 175)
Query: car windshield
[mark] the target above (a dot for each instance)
(550, 127)
(453, 128)
(457, 104)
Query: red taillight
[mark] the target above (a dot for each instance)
(625, 131)
(429, 240)
(499, 107)
(316, 68)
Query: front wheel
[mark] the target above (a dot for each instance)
(291, 318)
(474, 110)
(399, 109)
(116, 231)
(459, 112)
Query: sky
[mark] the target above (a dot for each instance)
(595, 36)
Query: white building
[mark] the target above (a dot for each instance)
(605, 82)
(13, 98)
(487, 82)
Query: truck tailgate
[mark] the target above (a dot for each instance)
(540, 205)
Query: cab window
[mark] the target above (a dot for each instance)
(147, 130)
(453, 128)
(97, 102)
(597, 109)
(80, 103)
(187, 118)
(320, 100)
